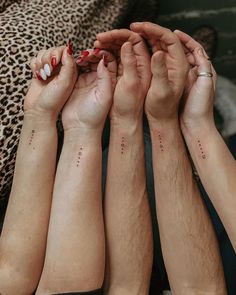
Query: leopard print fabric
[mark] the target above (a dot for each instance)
(25, 28)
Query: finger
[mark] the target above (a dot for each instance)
(39, 72)
(129, 62)
(115, 38)
(68, 72)
(158, 66)
(85, 57)
(204, 66)
(46, 64)
(94, 57)
(191, 79)
(155, 32)
(104, 79)
(110, 62)
(192, 45)
(160, 82)
(214, 76)
(189, 42)
(56, 55)
(33, 66)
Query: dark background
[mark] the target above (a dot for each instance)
(186, 15)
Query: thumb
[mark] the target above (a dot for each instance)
(104, 78)
(129, 62)
(159, 70)
(68, 70)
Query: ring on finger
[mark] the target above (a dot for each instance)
(205, 74)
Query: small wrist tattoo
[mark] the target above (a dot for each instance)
(122, 145)
(79, 155)
(203, 155)
(161, 146)
(32, 137)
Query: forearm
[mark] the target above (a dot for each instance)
(217, 169)
(128, 222)
(188, 240)
(75, 257)
(23, 238)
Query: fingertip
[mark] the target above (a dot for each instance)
(100, 35)
(102, 66)
(177, 31)
(158, 56)
(127, 48)
(67, 57)
(158, 65)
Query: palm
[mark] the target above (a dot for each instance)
(48, 96)
(89, 102)
(164, 94)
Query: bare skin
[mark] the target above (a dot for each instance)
(127, 214)
(75, 254)
(188, 240)
(27, 217)
(214, 162)
(191, 269)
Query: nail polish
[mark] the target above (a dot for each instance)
(38, 76)
(47, 70)
(53, 62)
(96, 51)
(43, 75)
(105, 62)
(85, 53)
(70, 48)
(79, 60)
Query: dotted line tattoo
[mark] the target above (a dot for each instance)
(160, 142)
(79, 155)
(122, 145)
(203, 155)
(32, 137)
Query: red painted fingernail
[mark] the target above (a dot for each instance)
(105, 60)
(79, 60)
(70, 48)
(53, 62)
(96, 51)
(84, 53)
(39, 76)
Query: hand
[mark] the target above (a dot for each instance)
(199, 91)
(169, 69)
(91, 98)
(134, 73)
(54, 76)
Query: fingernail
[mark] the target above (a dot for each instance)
(104, 58)
(70, 48)
(53, 62)
(43, 75)
(79, 60)
(47, 70)
(200, 52)
(96, 51)
(38, 76)
(84, 53)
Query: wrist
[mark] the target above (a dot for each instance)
(200, 126)
(171, 124)
(127, 126)
(39, 122)
(83, 136)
